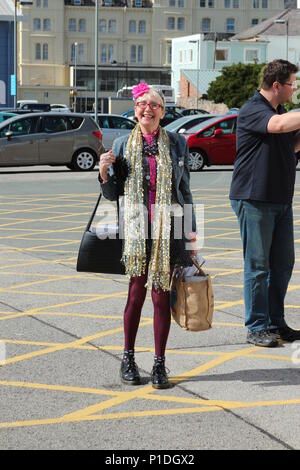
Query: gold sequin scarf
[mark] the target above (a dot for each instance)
(135, 216)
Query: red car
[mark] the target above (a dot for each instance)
(212, 142)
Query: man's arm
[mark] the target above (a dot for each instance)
(280, 123)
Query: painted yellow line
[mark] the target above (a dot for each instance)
(65, 304)
(144, 414)
(61, 388)
(136, 394)
(66, 346)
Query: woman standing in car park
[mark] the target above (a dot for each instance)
(158, 177)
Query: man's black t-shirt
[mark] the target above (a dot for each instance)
(265, 165)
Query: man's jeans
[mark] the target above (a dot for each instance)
(268, 244)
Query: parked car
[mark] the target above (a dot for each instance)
(213, 143)
(4, 116)
(68, 139)
(193, 112)
(185, 123)
(36, 107)
(113, 126)
(22, 103)
(63, 108)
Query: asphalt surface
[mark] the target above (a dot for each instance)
(61, 334)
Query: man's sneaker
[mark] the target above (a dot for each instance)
(286, 334)
(129, 370)
(159, 375)
(262, 338)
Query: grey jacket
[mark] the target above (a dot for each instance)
(179, 153)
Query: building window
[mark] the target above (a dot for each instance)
(45, 3)
(36, 24)
(47, 24)
(206, 25)
(73, 52)
(180, 24)
(140, 54)
(180, 3)
(171, 3)
(133, 54)
(72, 24)
(235, 4)
(254, 21)
(45, 51)
(169, 54)
(202, 3)
(251, 55)
(142, 27)
(132, 26)
(112, 26)
(38, 3)
(264, 4)
(38, 51)
(103, 57)
(226, 3)
(211, 4)
(110, 53)
(81, 53)
(255, 3)
(191, 55)
(222, 55)
(102, 26)
(180, 57)
(230, 25)
(82, 25)
(171, 23)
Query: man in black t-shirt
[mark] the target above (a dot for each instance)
(261, 195)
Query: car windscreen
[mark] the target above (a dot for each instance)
(176, 124)
(203, 124)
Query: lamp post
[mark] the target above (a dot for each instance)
(21, 2)
(96, 60)
(198, 65)
(75, 76)
(286, 22)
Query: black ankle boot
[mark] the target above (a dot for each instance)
(159, 375)
(129, 370)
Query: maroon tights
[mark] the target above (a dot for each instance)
(162, 316)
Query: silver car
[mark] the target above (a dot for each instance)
(113, 126)
(68, 139)
(183, 124)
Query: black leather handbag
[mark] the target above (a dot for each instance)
(100, 255)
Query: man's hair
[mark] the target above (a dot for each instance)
(277, 71)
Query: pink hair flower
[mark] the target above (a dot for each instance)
(140, 90)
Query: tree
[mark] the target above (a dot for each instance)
(236, 84)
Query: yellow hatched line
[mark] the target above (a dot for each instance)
(65, 304)
(71, 345)
(90, 410)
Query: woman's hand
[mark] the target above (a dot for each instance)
(106, 160)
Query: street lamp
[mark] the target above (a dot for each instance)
(96, 60)
(21, 2)
(75, 76)
(198, 65)
(286, 22)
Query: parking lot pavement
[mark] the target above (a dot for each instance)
(61, 337)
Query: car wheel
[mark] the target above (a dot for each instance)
(197, 160)
(83, 160)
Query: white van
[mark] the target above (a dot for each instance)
(22, 103)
